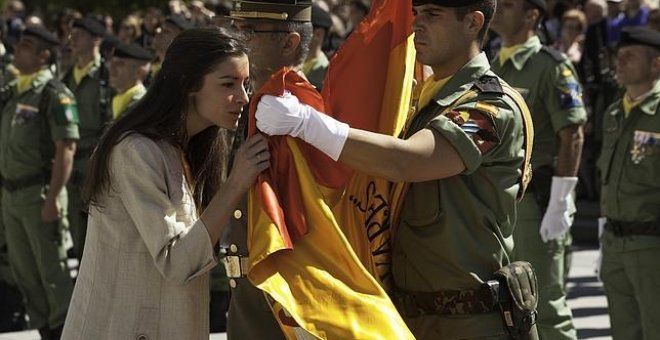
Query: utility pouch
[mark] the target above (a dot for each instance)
(518, 300)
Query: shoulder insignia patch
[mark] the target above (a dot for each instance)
(478, 126)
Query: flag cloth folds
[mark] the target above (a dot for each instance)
(318, 233)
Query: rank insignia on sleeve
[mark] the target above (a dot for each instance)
(479, 126)
(65, 112)
(570, 95)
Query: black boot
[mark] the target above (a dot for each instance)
(45, 333)
(56, 333)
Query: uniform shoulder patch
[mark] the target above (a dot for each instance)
(554, 53)
(478, 125)
(63, 107)
(489, 84)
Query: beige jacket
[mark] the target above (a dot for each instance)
(143, 274)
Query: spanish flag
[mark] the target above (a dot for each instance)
(318, 233)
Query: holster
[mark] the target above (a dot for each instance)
(519, 299)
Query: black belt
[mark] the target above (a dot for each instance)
(623, 228)
(485, 299)
(24, 182)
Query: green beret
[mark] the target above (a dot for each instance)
(132, 51)
(639, 35)
(284, 10)
(41, 33)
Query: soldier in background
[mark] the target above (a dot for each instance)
(548, 81)
(630, 203)
(128, 68)
(317, 63)
(38, 134)
(88, 79)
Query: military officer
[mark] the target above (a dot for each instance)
(278, 33)
(38, 134)
(629, 165)
(88, 79)
(549, 84)
(462, 155)
(128, 68)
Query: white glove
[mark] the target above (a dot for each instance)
(557, 219)
(599, 258)
(286, 115)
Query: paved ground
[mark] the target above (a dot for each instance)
(585, 298)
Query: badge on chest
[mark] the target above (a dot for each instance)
(644, 144)
(24, 113)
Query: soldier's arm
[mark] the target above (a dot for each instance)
(62, 167)
(571, 139)
(568, 116)
(427, 155)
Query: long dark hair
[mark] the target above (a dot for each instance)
(160, 114)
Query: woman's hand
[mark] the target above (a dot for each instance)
(251, 159)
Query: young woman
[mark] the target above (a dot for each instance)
(157, 208)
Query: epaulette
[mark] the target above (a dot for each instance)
(489, 84)
(554, 53)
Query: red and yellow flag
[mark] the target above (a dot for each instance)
(318, 234)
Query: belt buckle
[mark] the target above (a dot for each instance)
(235, 266)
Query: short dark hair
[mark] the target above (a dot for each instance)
(306, 32)
(487, 7)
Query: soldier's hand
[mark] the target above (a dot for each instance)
(50, 211)
(251, 159)
(286, 115)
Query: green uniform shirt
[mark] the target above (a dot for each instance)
(88, 97)
(456, 232)
(315, 72)
(547, 81)
(27, 133)
(630, 161)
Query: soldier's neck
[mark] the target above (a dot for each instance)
(517, 38)
(86, 58)
(128, 86)
(30, 71)
(637, 90)
(452, 66)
